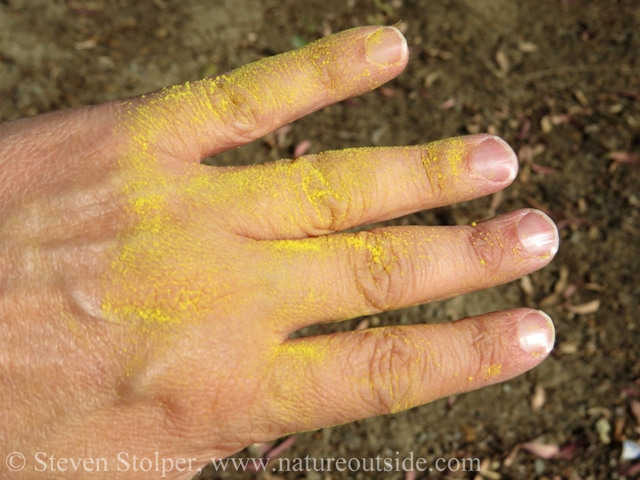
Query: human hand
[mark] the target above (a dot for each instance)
(146, 299)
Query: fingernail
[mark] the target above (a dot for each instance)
(495, 160)
(538, 234)
(536, 333)
(386, 46)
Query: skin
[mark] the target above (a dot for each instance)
(146, 300)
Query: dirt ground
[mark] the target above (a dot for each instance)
(558, 79)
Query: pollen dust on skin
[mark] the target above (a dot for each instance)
(303, 358)
(166, 272)
(380, 252)
(444, 162)
(159, 279)
(494, 370)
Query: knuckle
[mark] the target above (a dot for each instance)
(486, 359)
(392, 365)
(433, 170)
(325, 73)
(486, 250)
(380, 270)
(238, 108)
(115, 108)
(326, 195)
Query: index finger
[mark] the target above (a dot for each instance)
(215, 114)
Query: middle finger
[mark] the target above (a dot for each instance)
(337, 190)
(342, 276)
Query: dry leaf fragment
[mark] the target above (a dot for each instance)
(527, 47)
(527, 286)
(387, 92)
(486, 472)
(551, 299)
(558, 288)
(635, 410)
(631, 471)
(469, 433)
(301, 148)
(86, 44)
(496, 200)
(578, 110)
(627, 94)
(285, 445)
(502, 61)
(432, 78)
(525, 154)
(581, 97)
(541, 450)
(560, 119)
(538, 399)
(567, 452)
(570, 291)
(376, 135)
(599, 412)
(326, 29)
(629, 229)
(281, 135)
(568, 348)
(274, 452)
(624, 157)
(541, 169)
(603, 427)
(512, 456)
(434, 52)
(524, 131)
(452, 102)
(259, 449)
(582, 205)
(538, 149)
(594, 287)
(618, 429)
(585, 308)
(563, 280)
(363, 324)
(616, 108)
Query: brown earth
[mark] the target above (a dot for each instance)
(559, 80)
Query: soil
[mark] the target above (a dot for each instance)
(559, 80)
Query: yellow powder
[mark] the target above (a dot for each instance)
(168, 269)
(494, 370)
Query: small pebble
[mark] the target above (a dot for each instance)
(630, 450)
